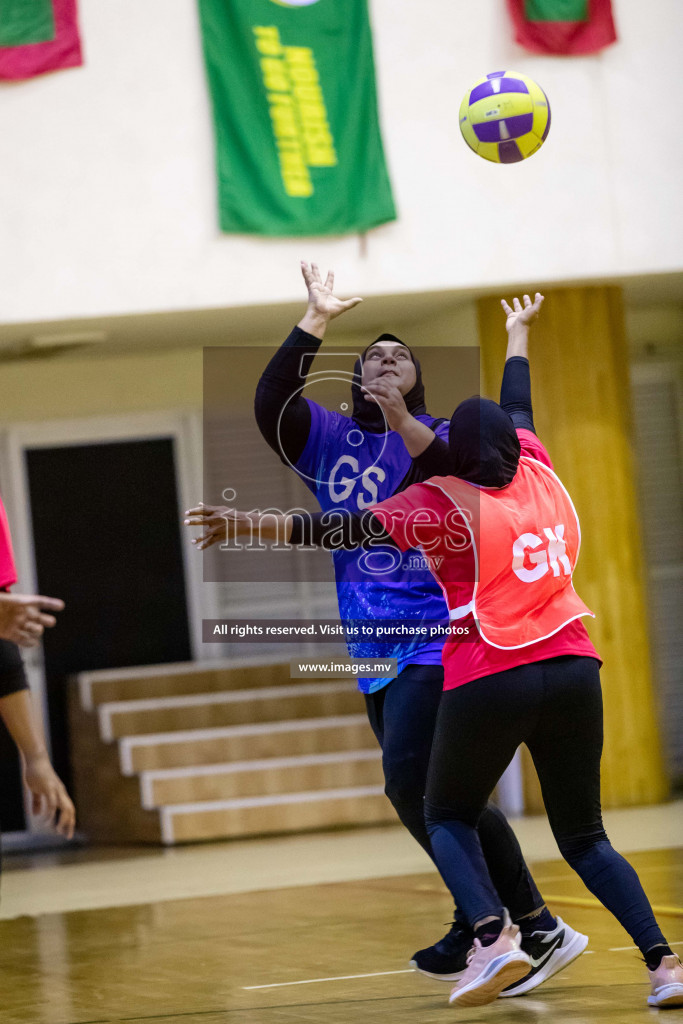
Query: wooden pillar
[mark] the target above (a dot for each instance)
(581, 399)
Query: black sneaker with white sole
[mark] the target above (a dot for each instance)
(549, 953)
(446, 960)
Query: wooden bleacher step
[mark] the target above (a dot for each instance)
(285, 812)
(236, 707)
(172, 680)
(242, 742)
(269, 776)
(194, 752)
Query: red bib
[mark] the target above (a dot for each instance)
(526, 539)
(8, 573)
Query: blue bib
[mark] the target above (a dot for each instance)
(349, 468)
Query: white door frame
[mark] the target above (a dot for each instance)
(186, 431)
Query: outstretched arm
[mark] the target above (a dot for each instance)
(515, 391)
(518, 320)
(283, 416)
(330, 530)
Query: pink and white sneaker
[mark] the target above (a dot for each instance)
(492, 968)
(667, 983)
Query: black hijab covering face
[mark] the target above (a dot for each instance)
(483, 443)
(368, 415)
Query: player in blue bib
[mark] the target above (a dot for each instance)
(351, 462)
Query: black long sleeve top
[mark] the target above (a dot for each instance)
(280, 380)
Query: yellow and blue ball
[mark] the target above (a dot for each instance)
(505, 117)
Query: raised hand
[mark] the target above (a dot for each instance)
(323, 304)
(521, 316)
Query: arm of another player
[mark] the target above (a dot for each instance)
(24, 617)
(48, 793)
(339, 528)
(220, 523)
(418, 516)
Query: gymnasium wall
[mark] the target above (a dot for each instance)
(107, 383)
(107, 173)
(68, 387)
(108, 209)
(113, 384)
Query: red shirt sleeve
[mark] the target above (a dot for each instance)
(532, 447)
(414, 518)
(8, 572)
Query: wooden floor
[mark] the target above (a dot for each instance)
(334, 952)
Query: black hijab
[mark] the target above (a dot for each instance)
(483, 443)
(368, 415)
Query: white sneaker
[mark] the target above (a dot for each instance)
(667, 983)
(549, 952)
(491, 968)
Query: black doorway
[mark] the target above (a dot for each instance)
(106, 533)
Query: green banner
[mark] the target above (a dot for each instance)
(556, 10)
(23, 22)
(298, 145)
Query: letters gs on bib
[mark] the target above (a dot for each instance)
(340, 485)
(358, 465)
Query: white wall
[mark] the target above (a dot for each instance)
(107, 182)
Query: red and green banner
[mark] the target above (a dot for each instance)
(298, 144)
(563, 26)
(37, 36)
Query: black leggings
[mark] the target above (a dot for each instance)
(555, 707)
(403, 715)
